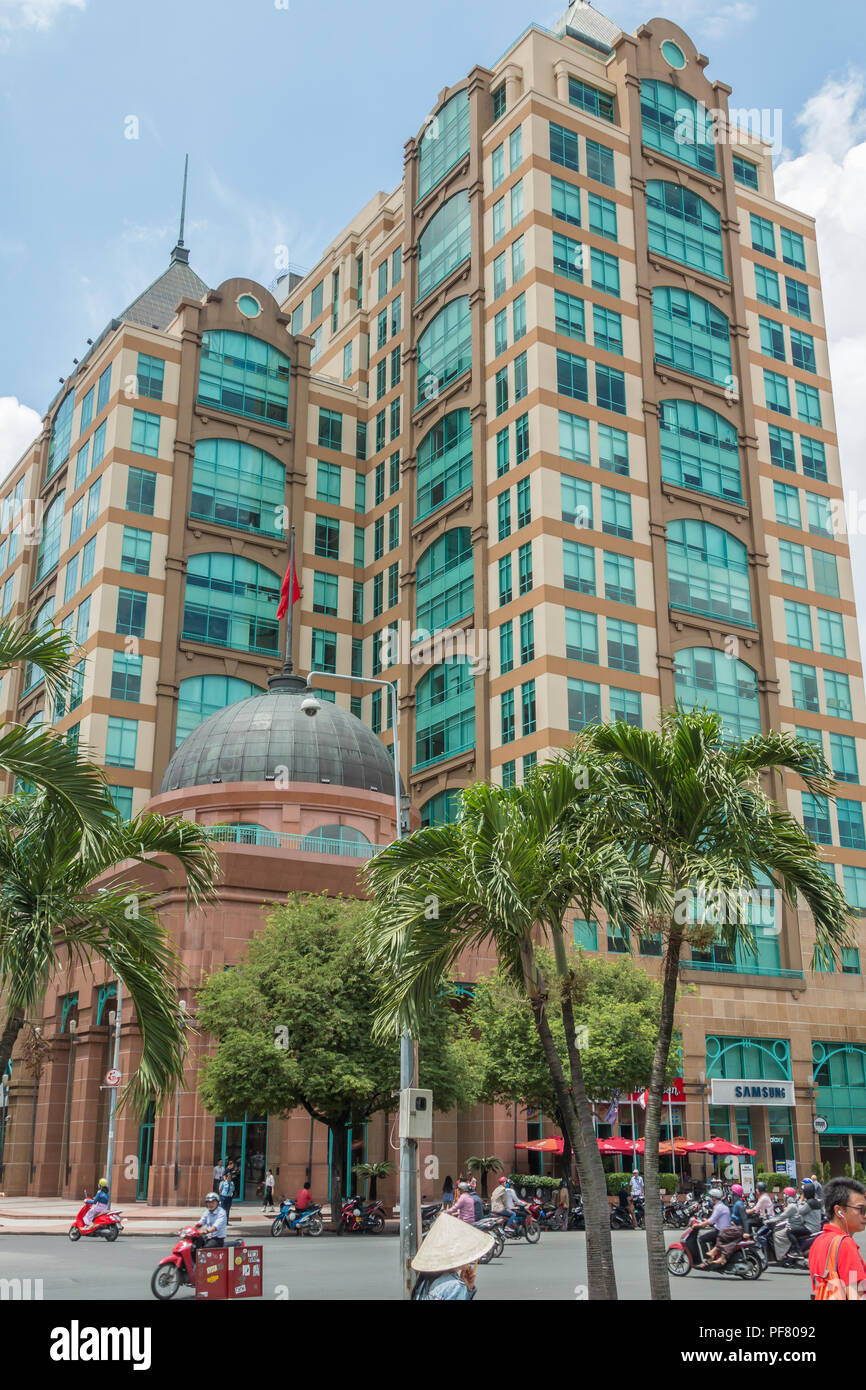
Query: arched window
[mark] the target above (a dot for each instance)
(43, 617)
(444, 580)
(49, 547)
(444, 461)
(673, 123)
(231, 602)
(238, 486)
(441, 809)
(244, 375)
(444, 348)
(708, 571)
(61, 435)
(703, 676)
(699, 449)
(444, 713)
(198, 697)
(444, 143)
(684, 227)
(336, 839)
(692, 335)
(444, 242)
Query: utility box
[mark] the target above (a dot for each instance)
(416, 1114)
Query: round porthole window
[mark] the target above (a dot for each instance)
(249, 306)
(673, 54)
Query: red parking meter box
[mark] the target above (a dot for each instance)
(245, 1271)
(211, 1273)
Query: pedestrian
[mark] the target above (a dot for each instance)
(447, 1192)
(269, 1190)
(304, 1197)
(447, 1259)
(563, 1203)
(478, 1205)
(819, 1190)
(219, 1170)
(226, 1191)
(464, 1207)
(636, 1185)
(835, 1263)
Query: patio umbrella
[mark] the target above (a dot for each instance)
(537, 1146)
(722, 1146)
(616, 1146)
(681, 1146)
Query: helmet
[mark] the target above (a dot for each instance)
(716, 1192)
(463, 1187)
(761, 1186)
(211, 1197)
(103, 1182)
(789, 1191)
(736, 1189)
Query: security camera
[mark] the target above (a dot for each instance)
(311, 706)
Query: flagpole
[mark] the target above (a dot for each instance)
(291, 612)
(633, 1134)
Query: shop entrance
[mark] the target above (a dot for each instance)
(245, 1142)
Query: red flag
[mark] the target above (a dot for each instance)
(291, 590)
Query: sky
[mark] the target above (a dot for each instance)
(295, 112)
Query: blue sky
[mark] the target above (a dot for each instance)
(293, 118)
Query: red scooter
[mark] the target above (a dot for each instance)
(107, 1224)
(356, 1216)
(178, 1269)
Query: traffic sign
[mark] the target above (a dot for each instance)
(820, 1124)
(112, 1077)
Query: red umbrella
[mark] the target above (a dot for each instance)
(681, 1146)
(616, 1146)
(722, 1146)
(554, 1146)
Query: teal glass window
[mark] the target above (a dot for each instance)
(394, 467)
(199, 697)
(600, 163)
(506, 716)
(509, 774)
(393, 528)
(328, 482)
(521, 439)
(854, 879)
(87, 410)
(88, 559)
(527, 638)
(792, 561)
(503, 516)
(239, 486)
(787, 505)
(298, 319)
(803, 351)
(570, 315)
(843, 758)
(826, 573)
(527, 709)
(816, 818)
(610, 388)
(361, 440)
(564, 147)
(121, 742)
(782, 448)
(524, 503)
(327, 538)
(763, 236)
(616, 513)
(851, 832)
(619, 580)
(674, 124)
(581, 636)
(684, 227)
(602, 216)
(140, 492)
(244, 375)
(82, 465)
(613, 450)
(382, 277)
(745, 172)
(819, 513)
(49, 546)
(708, 571)
(604, 271)
(93, 495)
(499, 102)
(618, 939)
(497, 165)
(517, 207)
(576, 502)
(515, 148)
(798, 624)
(699, 449)
(126, 677)
(44, 618)
(587, 98)
(122, 798)
(831, 633)
(797, 298)
(837, 692)
(330, 430)
(500, 332)
(445, 572)
(808, 404)
(325, 588)
(501, 390)
(804, 687)
(772, 339)
(442, 809)
(518, 317)
(317, 300)
(131, 612)
(61, 434)
(99, 445)
(499, 220)
(767, 286)
(150, 375)
(444, 348)
(506, 647)
(571, 375)
(103, 390)
(706, 677)
(444, 713)
(578, 565)
(692, 335)
(71, 581)
(623, 652)
(502, 453)
(625, 708)
(521, 377)
(357, 602)
(584, 704)
(445, 461)
(323, 653)
(793, 249)
(574, 438)
(506, 590)
(499, 276)
(445, 141)
(518, 260)
(585, 934)
(231, 602)
(524, 568)
(565, 201)
(607, 329)
(568, 257)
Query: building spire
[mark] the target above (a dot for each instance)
(180, 252)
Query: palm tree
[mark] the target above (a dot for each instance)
(505, 873)
(371, 1172)
(37, 756)
(483, 1166)
(689, 804)
(52, 915)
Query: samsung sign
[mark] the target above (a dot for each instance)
(752, 1093)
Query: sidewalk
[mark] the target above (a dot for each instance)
(54, 1215)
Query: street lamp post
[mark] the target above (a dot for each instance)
(409, 1177)
(702, 1082)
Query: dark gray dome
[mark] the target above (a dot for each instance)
(250, 739)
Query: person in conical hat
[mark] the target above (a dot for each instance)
(446, 1260)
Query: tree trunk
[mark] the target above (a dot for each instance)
(9, 1036)
(601, 1276)
(660, 1289)
(373, 1181)
(339, 1136)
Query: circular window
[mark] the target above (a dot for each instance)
(673, 54)
(249, 306)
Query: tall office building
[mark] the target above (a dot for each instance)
(561, 400)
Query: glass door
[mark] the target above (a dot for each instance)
(145, 1154)
(244, 1143)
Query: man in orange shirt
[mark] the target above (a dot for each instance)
(844, 1217)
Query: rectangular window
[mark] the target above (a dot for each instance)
(396, 266)
(521, 377)
(357, 602)
(324, 650)
(578, 566)
(797, 297)
(521, 439)
(347, 361)
(565, 201)
(361, 441)
(509, 774)
(121, 742)
(330, 430)
(99, 446)
(378, 538)
(506, 647)
(317, 299)
(782, 448)
(328, 482)
(571, 375)
(820, 514)
(618, 939)
(843, 759)
(850, 813)
(826, 574)
(745, 172)
(584, 704)
(103, 391)
(379, 483)
(395, 414)
(581, 636)
(82, 464)
(600, 163)
(71, 582)
(298, 319)
(396, 314)
(382, 278)
(808, 404)
(605, 271)
(76, 521)
(792, 561)
(503, 516)
(393, 528)
(527, 709)
(776, 392)
(93, 502)
(380, 431)
(501, 390)
(396, 366)
(837, 692)
(126, 677)
(787, 505)
(381, 378)
(499, 220)
(804, 687)
(381, 329)
(772, 339)
(607, 329)
(524, 505)
(763, 236)
(150, 374)
(378, 594)
(619, 580)
(145, 433)
(590, 99)
(616, 513)
(576, 502)
(360, 492)
(82, 622)
(622, 646)
(135, 552)
(793, 249)
(325, 587)
(506, 716)
(499, 285)
(613, 450)
(518, 317)
(357, 658)
(602, 216)
(88, 560)
(798, 624)
(568, 257)
(359, 559)
(499, 102)
(585, 934)
(518, 260)
(610, 388)
(527, 638)
(767, 287)
(517, 203)
(497, 165)
(816, 818)
(502, 448)
(515, 149)
(803, 351)
(564, 147)
(831, 633)
(570, 315)
(394, 482)
(335, 301)
(316, 349)
(86, 411)
(506, 591)
(625, 707)
(524, 568)
(327, 538)
(131, 612)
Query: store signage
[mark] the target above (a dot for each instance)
(675, 1094)
(820, 1124)
(747, 1092)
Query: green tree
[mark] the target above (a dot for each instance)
(688, 805)
(293, 1027)
(482, 1165)
(51, 916)
(371, 1173)
(507, 872)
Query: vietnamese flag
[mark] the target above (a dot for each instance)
(291, 590)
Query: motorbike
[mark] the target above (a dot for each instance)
(107, 1224)
(177, 1270)
(304, 1223)
(680, 1213)
(357, 1215)
(491, 1225)
(639, 1218)
(543, 1215)
(576, 1220)
(527, 1227)
(798, 1254)
(684, 1255)
(429, 1212)
(621, 1219)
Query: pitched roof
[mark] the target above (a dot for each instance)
(155, 307)
(588, 25)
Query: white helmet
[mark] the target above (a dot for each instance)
(717, 1193)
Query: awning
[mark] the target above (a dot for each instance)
(539, 1146)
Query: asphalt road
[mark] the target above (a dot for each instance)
(365, 1267)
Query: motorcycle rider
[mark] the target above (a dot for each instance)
(99, 1203)
(718, 1220)
(739, 1214)
(763, 1210)
(212, 1223)
(798, 1220)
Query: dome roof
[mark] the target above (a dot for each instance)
(250, 739)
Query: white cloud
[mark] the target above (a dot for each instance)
(19, 426)
(698, 19)
(828, 180)
(34, 14)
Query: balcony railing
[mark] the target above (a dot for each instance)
(272, 839)
(734, 968)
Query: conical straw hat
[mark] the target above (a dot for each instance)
(450, 1244)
